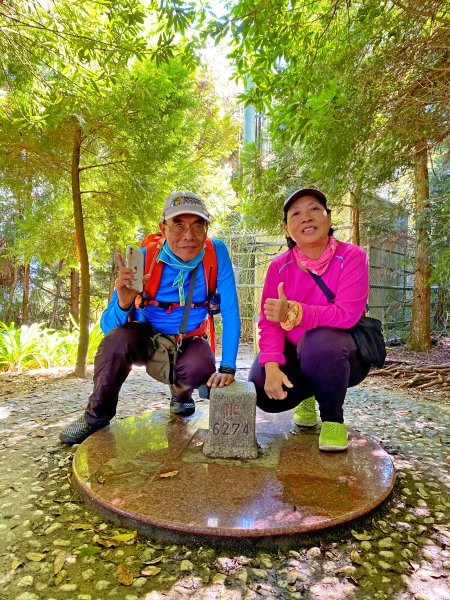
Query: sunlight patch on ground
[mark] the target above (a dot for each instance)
(5, 411)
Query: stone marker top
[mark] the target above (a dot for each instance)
(232, 415)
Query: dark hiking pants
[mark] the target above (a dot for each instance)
(324, 364)
(126, 346)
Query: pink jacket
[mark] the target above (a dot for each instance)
(347, 276)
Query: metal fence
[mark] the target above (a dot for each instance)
(391, 283)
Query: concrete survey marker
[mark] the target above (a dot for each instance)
(149, 471)
(232, 414)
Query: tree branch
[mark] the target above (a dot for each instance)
(420, 12)
(97, 192)
(113, 162)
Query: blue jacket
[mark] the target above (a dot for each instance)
(114, 316)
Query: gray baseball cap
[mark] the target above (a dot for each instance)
(184, 203)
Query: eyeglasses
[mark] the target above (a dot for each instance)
(180, 228)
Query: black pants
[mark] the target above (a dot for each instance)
(324, 364)
(126, 346)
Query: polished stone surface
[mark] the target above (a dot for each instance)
(150, 471)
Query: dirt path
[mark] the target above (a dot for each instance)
(53, 547)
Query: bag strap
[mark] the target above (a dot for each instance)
(331, 296)
(187, 308)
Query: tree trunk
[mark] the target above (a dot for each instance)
(57, 294)
(74, 295)
(83, 342)
(440, 313)
(26, 295)
(112, 277)
(419, 336)
(355, 197)
(12, 288)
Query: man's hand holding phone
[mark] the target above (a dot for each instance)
(129, 281)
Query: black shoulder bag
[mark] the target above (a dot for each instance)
(367, 332)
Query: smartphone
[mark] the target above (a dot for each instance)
(135, 260)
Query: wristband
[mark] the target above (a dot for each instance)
(227, 370)
(293, 317)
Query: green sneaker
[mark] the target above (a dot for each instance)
(305, 413)
(333, 437)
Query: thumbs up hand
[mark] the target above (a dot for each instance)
(275, 309)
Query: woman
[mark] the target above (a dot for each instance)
(306, 352)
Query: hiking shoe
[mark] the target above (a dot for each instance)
(203, 391)
(78, 431)
(305, 413)
(333, 437)
(183, 407)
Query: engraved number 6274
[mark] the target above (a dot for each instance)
(229, 428)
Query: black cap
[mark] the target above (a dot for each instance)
(305, 192)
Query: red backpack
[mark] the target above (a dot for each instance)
(153, 244)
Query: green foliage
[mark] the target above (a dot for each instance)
(148, 126)
(439, 217)
(36, 347)
(265, 184)
(21, 348)
(355, 85)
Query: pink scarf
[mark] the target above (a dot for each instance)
(317, 265)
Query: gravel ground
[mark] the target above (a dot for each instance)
(53, 547)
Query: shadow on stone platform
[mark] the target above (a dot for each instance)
(149, 472)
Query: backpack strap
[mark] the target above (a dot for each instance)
(210, 266)
(152, 267)
(211, 269)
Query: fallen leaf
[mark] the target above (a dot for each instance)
(59, 578)
(154, 561)
(382, 525)
(150, 571)
(361, 536)
(83, 526)
(16, 564)
(35, 556)
(124, 575)
(58, 563)
(169, 474)
(356, 557)
(124, 537)
(108, 543)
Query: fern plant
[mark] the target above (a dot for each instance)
(36, 347)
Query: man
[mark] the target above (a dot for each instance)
(184, 226)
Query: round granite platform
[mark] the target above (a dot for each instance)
(149, 471)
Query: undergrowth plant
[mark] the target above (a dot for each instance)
(37, 347)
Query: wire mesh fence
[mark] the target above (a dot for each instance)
(391, 284)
